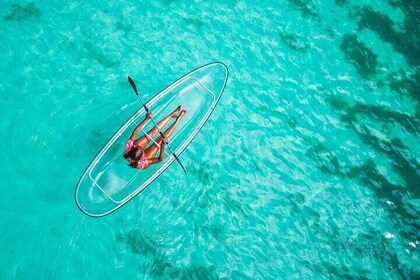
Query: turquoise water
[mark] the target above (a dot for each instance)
(308, 168)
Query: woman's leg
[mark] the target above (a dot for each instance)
(152, 150)
(145, 139)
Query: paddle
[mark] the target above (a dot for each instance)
(133, 85)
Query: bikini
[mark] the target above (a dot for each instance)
(142, 162)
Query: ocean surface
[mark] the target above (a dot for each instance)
(307, 169)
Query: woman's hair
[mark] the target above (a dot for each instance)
(135, 154)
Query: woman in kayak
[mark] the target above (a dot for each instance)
(136, 151)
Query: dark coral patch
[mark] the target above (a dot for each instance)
(21, 13)
(403, 82)
(294, 42)
(341, 3)
(168, 2)
(306, 7)
(325, 160)
(406, 43)
(195, 22)
(378, 113)
(363, 59)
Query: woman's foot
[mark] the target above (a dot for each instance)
(175, 113)
(183, 112)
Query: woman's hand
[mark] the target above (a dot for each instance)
(164, 140)
(149, 115)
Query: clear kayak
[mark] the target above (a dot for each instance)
(108, 182)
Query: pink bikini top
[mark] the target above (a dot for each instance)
(142, 162)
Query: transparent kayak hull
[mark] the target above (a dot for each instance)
(108, 182)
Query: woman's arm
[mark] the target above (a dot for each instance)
(140, 126)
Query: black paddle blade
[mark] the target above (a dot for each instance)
(133, 85)
(177, 159)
